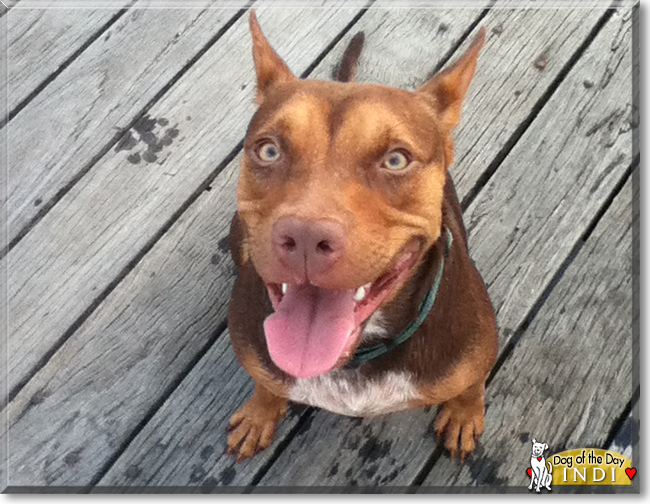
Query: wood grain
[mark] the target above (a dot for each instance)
(103, 381)
(570, 375)
(41, 40)
(185, 442)
(60, 132)
(526, 219)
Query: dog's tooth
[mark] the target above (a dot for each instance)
(284, 288)
(360, 294)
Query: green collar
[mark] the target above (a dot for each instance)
(367, 354)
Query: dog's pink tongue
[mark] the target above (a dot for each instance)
(310, 329)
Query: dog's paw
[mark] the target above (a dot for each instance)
(461, 424)
(252, 427)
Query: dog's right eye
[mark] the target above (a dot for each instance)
(396, 160)
(268, 152)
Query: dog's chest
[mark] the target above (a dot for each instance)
(347, 392)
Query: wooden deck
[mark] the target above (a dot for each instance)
(123, 135)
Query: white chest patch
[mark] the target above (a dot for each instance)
(374, 328)
(347, 392)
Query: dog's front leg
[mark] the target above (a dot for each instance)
(462, 421)
(253, 425)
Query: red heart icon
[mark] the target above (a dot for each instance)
(630, 471)
(529, 472)
(539, 458)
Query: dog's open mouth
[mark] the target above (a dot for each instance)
(314, 330)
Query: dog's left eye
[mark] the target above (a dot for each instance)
(268, 152)
(396, 160)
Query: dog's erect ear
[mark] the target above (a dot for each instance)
(347, 71)
(534, 441)
(447, 89)
(269, 67)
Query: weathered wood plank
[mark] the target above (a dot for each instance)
(60, 132)
(579, 148)
(524, 59)
(538, 214)
(40, 41)
(102, 382)
(571, 374)
(86, 240)
(185, 443)
(143, 454)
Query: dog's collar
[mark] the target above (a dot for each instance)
(363, 355)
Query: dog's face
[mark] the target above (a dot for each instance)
(539, 448)
(340, 194)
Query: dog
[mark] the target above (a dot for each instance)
(541, 475)
(355, 291)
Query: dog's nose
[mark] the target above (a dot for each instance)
(309, 248)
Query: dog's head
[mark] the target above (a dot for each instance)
(340, 195)
(539, 448)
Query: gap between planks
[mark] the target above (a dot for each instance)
(544, 402)
(66, 62)
(521, 129)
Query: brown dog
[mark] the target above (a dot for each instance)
(355, 290)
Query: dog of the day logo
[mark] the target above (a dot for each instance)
(540, 471)
(580, 466)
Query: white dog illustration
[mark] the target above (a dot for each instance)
(540, 475)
